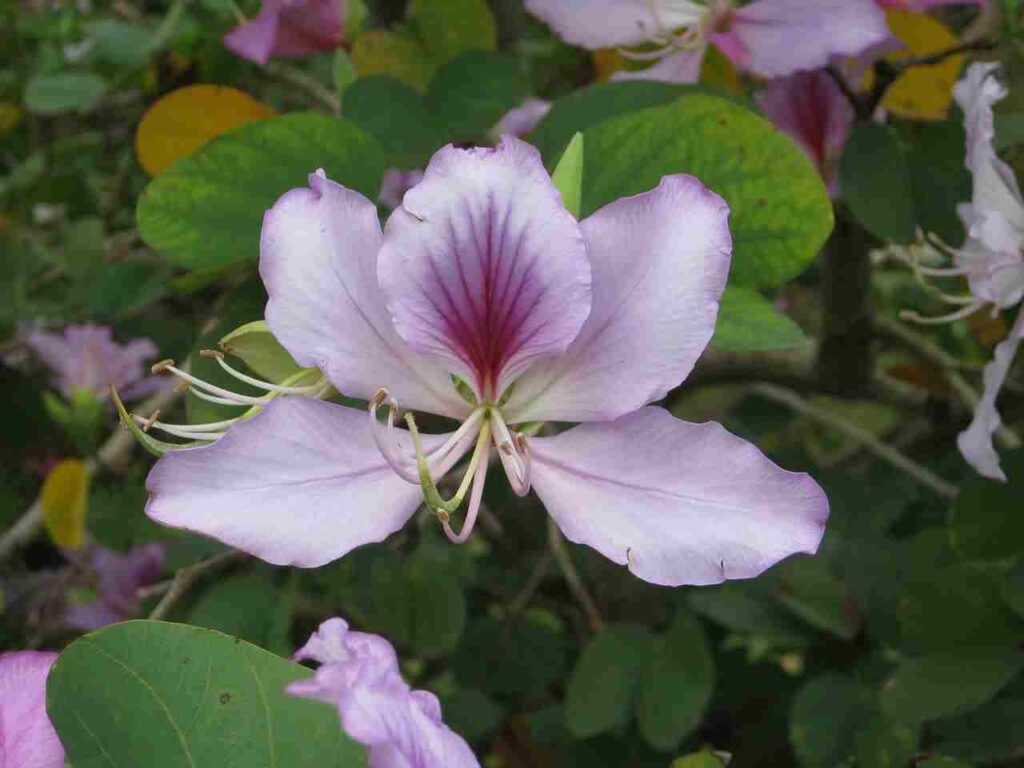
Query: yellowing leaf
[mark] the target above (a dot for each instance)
(10, 116)
(718, 72)
(185, 119)
(64, 496)
(608, 61)
(383, 52)
(922, 93)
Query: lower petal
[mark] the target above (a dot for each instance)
(680, 67)
(26, 736)
(975, 442)
(677, 503)
(302, 483)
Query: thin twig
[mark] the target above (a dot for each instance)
(305, 82)
(572, 577)
(920, 474)
(178, 587)
(519, 603)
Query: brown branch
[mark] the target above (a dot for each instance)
(572, 577)
(175, 589)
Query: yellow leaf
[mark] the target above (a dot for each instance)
(383, 52)
(10, 116)
(608, 61)
(922, 93)
(185, 119)
(64, 497)
(718, 72)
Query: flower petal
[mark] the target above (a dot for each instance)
(288, 28)
(660, 262)
(318, 260)
(483, 266)
(254, 40)
(302, 483)
(27, 739)
(602, 23)
(779, 37)
(975, 442)
(520, 121)
(678, 503)
(681, 67)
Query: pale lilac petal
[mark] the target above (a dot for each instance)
(677, 503)
(811, 109)
(975, 442)
(679, 67)
(318, 260)
(924, 5)
(484, 267)
(660, 261)
(520, 121)
(778, 37)
(118, 579)
(395, 183)
(27, 739)
(302, 483)
(603, 23)
(289, 28)
(360, 676)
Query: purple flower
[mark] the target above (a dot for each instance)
(289, 28)
(770, 38)
(86, 357)
(359, 675)
(520, 121)
(485, 301)
(811, 108)
(27, 739)
(118, 579)
(395, 184)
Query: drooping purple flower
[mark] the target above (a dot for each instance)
(27, 738)
(812, 110)
(769, 38)
(289, 28)
(359, 675)
(86, 357)
(118, 579)
(485, 301)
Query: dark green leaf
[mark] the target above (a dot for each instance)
(939, 179)
(987, 522)
(747, 322)
(824, 720)
(452, 27)
(394, 114)
(875, 180)
(748, 609)
(469, 94)
(51, 94)
(472, 714)
(809, 588)
(522, 655)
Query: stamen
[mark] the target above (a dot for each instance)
(230, 398)
(952, 317)
(252, 381)
(181, 430)
(431, 495)
(148, 423)
(475, 499)
(162, 366)
(524, 450)
(511, 461)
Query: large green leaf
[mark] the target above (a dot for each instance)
(206, 209)
(394, 114)
(876, 184)
(469, 94)
(987, 523)
(452, 27)
(524, 654)
(676, 684)
(173, 696)
(747, 322)
(940, 685)
(781, 213)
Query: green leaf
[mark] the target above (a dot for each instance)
(989, 733)
(987, 523)
(206, 210)
(394, 114)
(941, 762)
(120, 43)
(699, 760)
(747, 608)
(469, 94)
(388, 52)
(940, 685)
(83, 247)
(747, 322)
(809, 588)
(125, 287)
(594, 104)
(781, 213)
(257, 347)
(52, 94)
(875, 180)
(172, 696)
(525, 654)
(1012, 588)
(472, 714)
(568, 175)
(939, 179)
(676, 683)
(452, 27)
(605, 680)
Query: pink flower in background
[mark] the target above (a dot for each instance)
(359, 675)
(27, 738)
(812, 110)
(395, 183)
(86, 357)
(770, 38)
(521, 120)
(289, 28)
(485, 301)
(118, 579)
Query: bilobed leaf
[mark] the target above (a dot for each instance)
(185, 119)
(940, 685)
(747, 322)
(568, 175)
(64, 500)
(394, 114)
(173, 696)
(781, 213)
(52, 94)
(451, 27)
(676, 683)
(206, 210)
(875, 179)
(256, 346)
(605, 681)
(470, 93)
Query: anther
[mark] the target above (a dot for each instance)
(151, 420)
(162, 366)
(213, 353)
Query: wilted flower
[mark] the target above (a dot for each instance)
(359, 675)
(812, 110)
(289, 28)
(770, 38)
(485, 301)
(27, 738)
(118, 579)
(86, 358)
